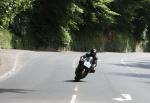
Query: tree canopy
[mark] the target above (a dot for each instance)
(66, 23)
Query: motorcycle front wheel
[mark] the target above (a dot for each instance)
(76, 79)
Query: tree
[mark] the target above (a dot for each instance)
(10, 8)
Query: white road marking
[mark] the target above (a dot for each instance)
(134, 71)
(12, 70)
(76, 88)
(123, 61)
(99, 60)
(131, 69)
(73, 100)
(125, 97)
(74, 96)
(128, 67)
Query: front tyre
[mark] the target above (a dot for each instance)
(84, 74)
(76, 79)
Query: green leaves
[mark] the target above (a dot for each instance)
(62, 20)
(75, 8)
(10, 8)
(65, 36)
(74, 14)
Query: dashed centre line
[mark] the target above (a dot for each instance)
(74, 96)
(76, 88)
(73, 100)
(123, 61)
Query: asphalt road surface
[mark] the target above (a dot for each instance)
(119, 78)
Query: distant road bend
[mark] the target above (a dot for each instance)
(119, 78)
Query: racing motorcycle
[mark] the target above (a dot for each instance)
(83, 68)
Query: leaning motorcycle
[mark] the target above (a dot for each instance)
(83, 68)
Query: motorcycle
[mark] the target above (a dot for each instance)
(83, 68)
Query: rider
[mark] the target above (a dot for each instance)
(92, 53)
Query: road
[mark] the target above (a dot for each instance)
(119, 77)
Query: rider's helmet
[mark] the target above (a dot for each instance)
(93, 52)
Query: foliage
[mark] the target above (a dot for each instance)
(10, 8)
(5, 39)
(111, 25)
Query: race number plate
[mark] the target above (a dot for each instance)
(87, 64)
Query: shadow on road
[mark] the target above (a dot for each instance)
(140, 64)
(133, 75)
(147, 82)
(22, 91)
(73, 81)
